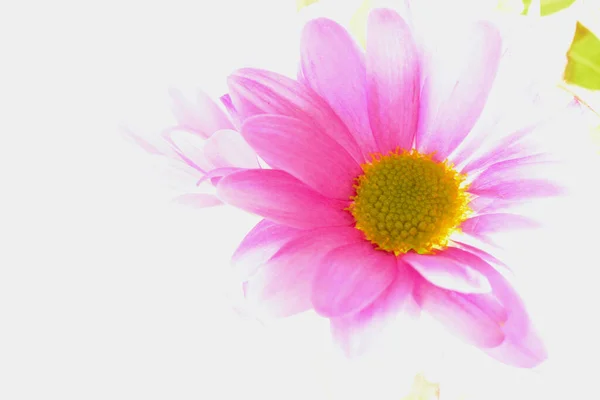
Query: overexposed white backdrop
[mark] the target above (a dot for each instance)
(109, 291)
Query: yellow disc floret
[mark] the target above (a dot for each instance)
(407, 201)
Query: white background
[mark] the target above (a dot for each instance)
(108, 291)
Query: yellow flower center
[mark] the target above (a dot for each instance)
(407, 201)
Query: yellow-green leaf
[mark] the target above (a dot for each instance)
(300, 4)
(358, 23)
(583, 65)
(548, 7)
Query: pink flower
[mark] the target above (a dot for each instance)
(392, 171)
(202, 142)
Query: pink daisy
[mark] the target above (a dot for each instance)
(382, 170)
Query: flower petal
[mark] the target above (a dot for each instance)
(393, 80)
(447, 273)
(279, 197)
(517, 179)
(355, 333)
(350, 278)
(260, 244)
(482, 226)
(301, 150)
(227, 148)
(198, 200)
(235, 117)
(522, 346)
(200, 115)
(459, 314)
(454, 94)
(189, 147)
(283, 285)
(255, 92)
(334, 67)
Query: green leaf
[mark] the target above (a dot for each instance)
(548, 7)
(358, 23)
(583, 65)
(300, 4)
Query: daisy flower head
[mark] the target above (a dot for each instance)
(387, 174)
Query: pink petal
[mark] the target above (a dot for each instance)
(283, 286)
(298, 148)
(227, 148)
(460, 315)
(201, 115)
(198, 200)
(235, 117)
(260, 244)
(393, 80)
(516, 180)
(278, 196)
(215, 175)
(189, 147)
(139, 140)
(447, 273)
(334, 67)
(482, 226)
(355, 333)
(256, 92)
(522, 346)
(454, 95)
(351, 278)
(508, 148)
(481, 254)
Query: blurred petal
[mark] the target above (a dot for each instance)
(262, 242)
(200, 114)
(455, 93)
(227, 148)
(282, 286)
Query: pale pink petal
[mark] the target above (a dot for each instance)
(198, 200)
(351, 278)
(356, 333)
(516, 179)
(200, 114)
(283, 285)
(278, 196)
(454, 94)
(460, 315)
(140, 140)
(522, 346)
(235, 117)
(447, 273)
(393, 81)
(227, 148)
(493, 261)
(215, 175)
(256, 92)
(482, 226)
(508, 148)
(189, 147)
(303, 151)
(260, 244)
(334, 67)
